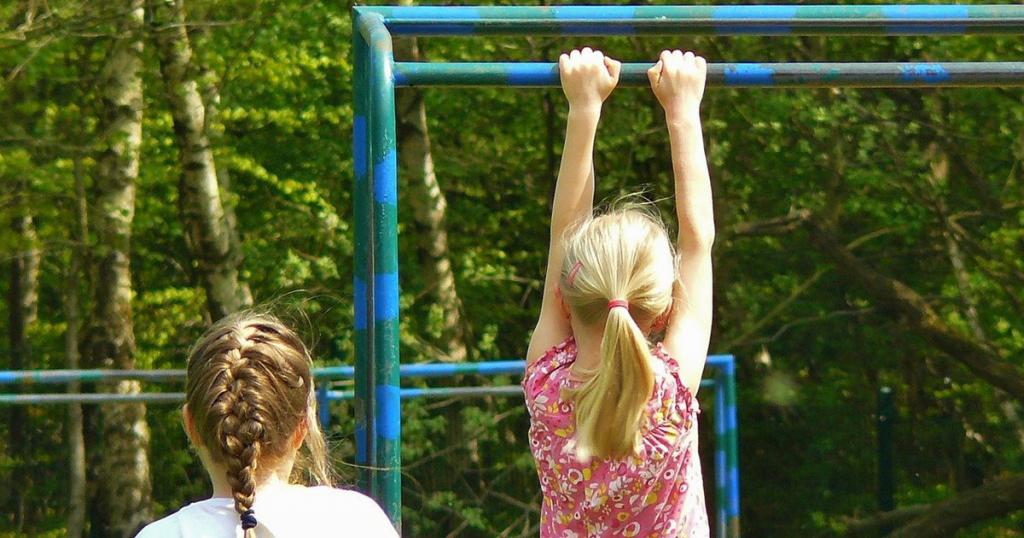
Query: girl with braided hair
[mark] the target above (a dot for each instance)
(250, 407)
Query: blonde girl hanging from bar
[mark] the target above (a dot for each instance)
(613, 418)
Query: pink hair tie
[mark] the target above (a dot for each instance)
(618, 303)
(571, 277)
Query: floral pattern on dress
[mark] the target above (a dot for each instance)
(658, 492)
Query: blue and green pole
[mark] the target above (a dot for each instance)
(362, 284)
(384, 391)
(706, 20)
(731, 75)
(732, 453)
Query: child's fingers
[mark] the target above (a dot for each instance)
(614, 67)
(702, 65)
(654, 73)
(563, 62)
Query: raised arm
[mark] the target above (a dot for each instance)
(588, 77)
(678, 82)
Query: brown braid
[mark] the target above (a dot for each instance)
(249, 388)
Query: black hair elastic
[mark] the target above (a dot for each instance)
(248, 520)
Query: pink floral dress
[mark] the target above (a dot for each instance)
(658, 492)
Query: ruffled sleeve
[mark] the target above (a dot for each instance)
(684, 401)
(539, 373)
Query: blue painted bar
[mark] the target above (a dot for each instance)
(732, 448)
(731, 75)
(386, 296)
(442, 392)
(324, 395)
(423, 370)
(91, 398)
(48, 377)
(384, 361)
(721, 483)
(865, 19)
(363, 270)
(323, 411)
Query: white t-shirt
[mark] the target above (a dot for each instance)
(283, 511)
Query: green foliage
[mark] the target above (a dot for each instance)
(812, 348)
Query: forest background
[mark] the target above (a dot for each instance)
(163, 164)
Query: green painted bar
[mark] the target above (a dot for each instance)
(91, 398)
(385, 223)
(919, 19)
(363, 263)
(384, 317)
(49, 377)
(742, 75)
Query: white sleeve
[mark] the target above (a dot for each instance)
(365, 517)
(163, 528)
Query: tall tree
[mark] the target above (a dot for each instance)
(22, 310)
(423, 193)
(72, 312)
(210, 232)
(118, 461)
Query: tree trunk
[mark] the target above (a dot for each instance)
(75, 437)
(210, 232)
(875, 525)
(22, 309)
(899, 299)
(429, 206)
(938, 178)
(118, 461)
(994, 499)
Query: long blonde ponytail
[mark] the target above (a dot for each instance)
(619, 269)
(610, 405)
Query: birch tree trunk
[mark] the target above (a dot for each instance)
(210, 231)
(74, 427)
(429, 206)
(22, 308)
(118, 461)
(938, 178)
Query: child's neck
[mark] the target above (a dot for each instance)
(588, 346)
(221, 488)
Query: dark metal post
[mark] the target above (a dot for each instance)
(885, 467)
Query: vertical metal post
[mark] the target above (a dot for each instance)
(731, 471)
(362, 202)
(883, 423)
(721, 483)
(322, 401)
(384, 317)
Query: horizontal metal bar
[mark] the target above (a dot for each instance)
(178, 397)
(92, 398)
(30, 377)
(732, 75)
(719, 20)
(425, 370)
(440, 392)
